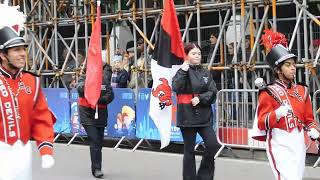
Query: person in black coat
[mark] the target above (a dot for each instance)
(196, 91)
(94, 124)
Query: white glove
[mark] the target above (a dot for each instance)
(313, 133)
(282, 111)
(185, 66)
(259, 82)
(195, 101)
(47, 161)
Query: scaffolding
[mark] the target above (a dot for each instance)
(59, 32)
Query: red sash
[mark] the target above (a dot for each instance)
(84, 102)
(185, 98)
(8, 114)
(282, 95)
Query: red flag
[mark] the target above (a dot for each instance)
(167, 57)
(93, 80)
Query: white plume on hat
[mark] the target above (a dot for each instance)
(13, 17)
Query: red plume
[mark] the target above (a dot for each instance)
(271, 38)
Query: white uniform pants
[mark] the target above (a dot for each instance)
(286, 153)
(15, 161)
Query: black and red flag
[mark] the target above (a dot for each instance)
(167, 58)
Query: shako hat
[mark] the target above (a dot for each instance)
(276, 46)
(9, 38)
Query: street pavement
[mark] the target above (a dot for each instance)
(73, 163)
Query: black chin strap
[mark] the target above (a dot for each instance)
(10, 64)
(289, 84)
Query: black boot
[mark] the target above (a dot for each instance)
(97, 174)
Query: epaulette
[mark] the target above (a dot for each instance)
(269, 84)
(302, 84)
(32, 73)
(264, 88)
(261, 89)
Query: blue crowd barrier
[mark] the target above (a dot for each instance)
(125, 117)
(58, 101)
(75, 118)
(122, 114)
(146, 129)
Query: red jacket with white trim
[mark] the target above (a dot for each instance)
(35, 121)
(298, 98)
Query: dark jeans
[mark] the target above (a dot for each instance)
(206, 169)
(95, 138)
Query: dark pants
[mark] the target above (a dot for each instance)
(206, 169)
(95, 138)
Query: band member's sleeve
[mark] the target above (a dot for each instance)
(42, 127)
(179, 81)
(266, 115)
(309, 119)
(209, 97)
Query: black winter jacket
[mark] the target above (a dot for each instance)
(196, 80)
(106, 96)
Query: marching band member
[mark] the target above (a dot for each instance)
(24, 112)
(284, 111)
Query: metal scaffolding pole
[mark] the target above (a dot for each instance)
(46, 19)
(198, 22)
(243, 43)
(144, 18)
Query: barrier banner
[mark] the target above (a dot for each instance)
(121, 114)
(75, 118)
(58, 101)
(146, 129)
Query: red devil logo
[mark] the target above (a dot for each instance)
(163, 93)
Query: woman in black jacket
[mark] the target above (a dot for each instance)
(196, 91)
(94, 125)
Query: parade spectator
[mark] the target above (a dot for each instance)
(314, 47)
(120, 76)
(216, 75)
(140, 48)
(130, 52)
(210, 49)
(138, 75)
(125, 62)
(72, 65)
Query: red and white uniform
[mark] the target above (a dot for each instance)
(285, 139)
(22, 118)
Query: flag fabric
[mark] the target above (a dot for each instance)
(93, 80)
(167, 58)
